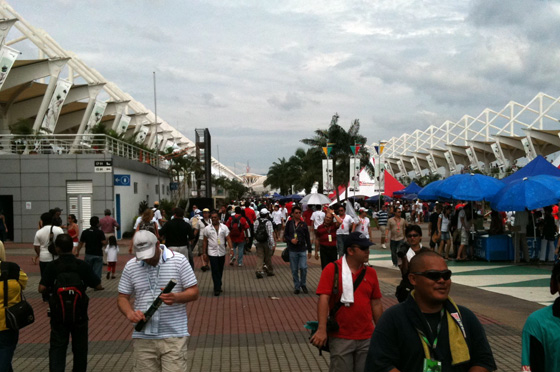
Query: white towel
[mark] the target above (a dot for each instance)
(347, 297)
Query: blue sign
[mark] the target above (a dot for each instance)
(121, 179)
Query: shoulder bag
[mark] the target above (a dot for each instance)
(51, 247)
(21, 314)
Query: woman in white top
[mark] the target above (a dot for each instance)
(443, 226)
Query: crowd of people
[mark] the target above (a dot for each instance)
(426, 331)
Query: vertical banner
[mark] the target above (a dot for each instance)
(450, 161)
(416, 166)
(142, 134)
(93, 120)
(123, 124)
(7, 58)
(431, 163)
(472, 157)
(402, 168)
(55, 105)
(497, 150)
(529, 149)
(354, 172)
(327, 175)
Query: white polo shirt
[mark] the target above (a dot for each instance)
(344, 228)
(216, 240)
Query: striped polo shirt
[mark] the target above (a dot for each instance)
(382, 218)
(136, 279)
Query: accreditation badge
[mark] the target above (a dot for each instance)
(330, 238)
(431, 365)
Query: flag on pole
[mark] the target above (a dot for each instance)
(327, 150)
(376, 148)
(381, 147)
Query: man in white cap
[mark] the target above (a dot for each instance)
(162, 343)
(265, 244)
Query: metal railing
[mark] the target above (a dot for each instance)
(62, 144)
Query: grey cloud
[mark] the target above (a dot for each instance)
(292, 101)
(210, 100)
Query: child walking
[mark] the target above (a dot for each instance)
(112, 251)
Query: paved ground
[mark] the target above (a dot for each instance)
(257, 325)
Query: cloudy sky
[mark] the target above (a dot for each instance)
(263, 74)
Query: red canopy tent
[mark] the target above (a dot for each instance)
(391, 184)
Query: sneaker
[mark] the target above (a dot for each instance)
(108, 274)
(383, 246)
(268, 273)
(304, 289)
(231, 260)
(113, 277)
(240, 265)
(216, 293)
(205, 268)
(296, 291)
(260, 275)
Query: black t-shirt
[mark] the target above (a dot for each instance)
(93, 239)
(83, 269)
(177, 233)
(434, 221)
(395, 343)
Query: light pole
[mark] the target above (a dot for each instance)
(157, 144)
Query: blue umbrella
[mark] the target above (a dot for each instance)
(375, 198)
(471, 187)
(409, 196)
(430, 191)
(529, 192)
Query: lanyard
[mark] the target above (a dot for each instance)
(433, 345)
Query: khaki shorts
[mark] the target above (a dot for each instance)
(382, 229)
(168, 354)
(464, 237)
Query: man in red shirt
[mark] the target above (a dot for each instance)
(237, 226)
(360, 306)
(325, 241)
(251, 218)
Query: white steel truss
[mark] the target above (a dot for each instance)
(500, 137)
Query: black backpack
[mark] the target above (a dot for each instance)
(69, 302)
(262, 234)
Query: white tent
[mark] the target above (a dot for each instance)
(366, 189)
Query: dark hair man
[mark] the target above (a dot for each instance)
(68, 265)
(541, 333)
(325, 240)
(429, 332)
(178, 235)
(215, 239)
(94, 240)
(358, 289)
(296, 235)
(41, 244)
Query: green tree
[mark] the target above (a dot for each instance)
(341, 141)
(305, 164)
(426, 179)
(280, 176)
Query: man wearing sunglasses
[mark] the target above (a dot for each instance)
(429, 332)
(357, 303)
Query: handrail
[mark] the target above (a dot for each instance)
(64, 144)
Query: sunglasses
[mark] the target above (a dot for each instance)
(412, 235)
(435, 275)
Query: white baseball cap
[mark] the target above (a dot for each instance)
(144, 244)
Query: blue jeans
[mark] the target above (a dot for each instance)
(395, 244)
(8, 343)
(298, 262)
(240, 247)
(340, 242)
(96, 263)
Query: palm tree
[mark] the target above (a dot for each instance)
(304, 163)
(280, 176)
(341, 141)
